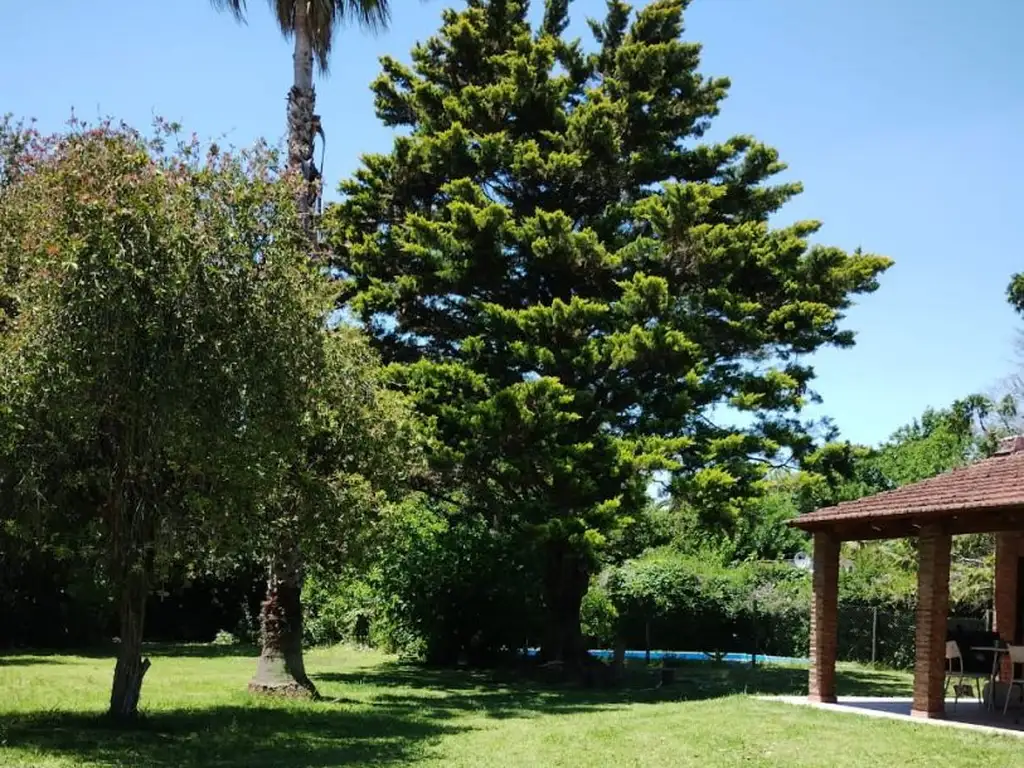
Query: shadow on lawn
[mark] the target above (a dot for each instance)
(444, 692)
(27, 660)
(401, 710)
(200, 650)
(15, 657)
(231, 736)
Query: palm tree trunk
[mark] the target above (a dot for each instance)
(281, 669)
(301, 106)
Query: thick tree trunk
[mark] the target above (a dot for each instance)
(281, 670)
(565, 584)
(302, 120)
(131, 667)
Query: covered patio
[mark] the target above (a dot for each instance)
(984, 497)
(969, 715)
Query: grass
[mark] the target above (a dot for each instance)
(383, 713)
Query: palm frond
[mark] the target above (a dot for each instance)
(236, 7)
(324, 18)
(284, 12)
(373, 15)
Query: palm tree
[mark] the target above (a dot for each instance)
(312, 24)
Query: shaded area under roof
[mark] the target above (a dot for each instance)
(985, 496)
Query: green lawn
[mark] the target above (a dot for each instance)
(384, 713)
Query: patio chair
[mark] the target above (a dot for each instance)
(1016, 653)
(955, 671)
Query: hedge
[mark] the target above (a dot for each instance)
(671, 601)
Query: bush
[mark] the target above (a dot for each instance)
(48, 601)
(223, 637)
(683, 602)
(453, 589)
(337, 608)
(695, 603)
(598, 617)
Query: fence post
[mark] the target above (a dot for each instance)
(874, 634)
(647, 641)
(753, 653)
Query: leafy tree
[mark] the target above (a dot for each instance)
(761, 531)
(312, 24)
(1015, 292)
(938, 441)
(163, 329)
(572, 285)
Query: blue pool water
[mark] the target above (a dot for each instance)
(693, 656)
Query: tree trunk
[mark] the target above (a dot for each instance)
(131, 667)
(565, 584)
(281, 669)
(302, 120)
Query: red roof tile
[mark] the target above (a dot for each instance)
(997, 482)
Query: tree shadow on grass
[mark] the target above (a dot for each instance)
(28, 660)
(231, 736)
(504, 693)
(407, 707)
(109, 651)
(200, 650)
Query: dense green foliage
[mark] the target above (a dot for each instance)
(672, 583)
(698, 604)
(149, 351)
(570, 285)
(359, 450)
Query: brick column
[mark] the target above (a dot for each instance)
(824, 618)
(1005, 597)
(930, 636)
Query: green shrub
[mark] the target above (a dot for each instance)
(337, 608)
(598, 617)
(682, 602)
(697, 603)
(455, 589)
(223, 637)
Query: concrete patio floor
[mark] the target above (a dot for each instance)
(970, 714)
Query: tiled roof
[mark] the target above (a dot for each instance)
(994, 483)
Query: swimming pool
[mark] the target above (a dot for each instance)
(734, 658)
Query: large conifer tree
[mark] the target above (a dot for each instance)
(573, 286)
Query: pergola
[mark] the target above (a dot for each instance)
(984, 497)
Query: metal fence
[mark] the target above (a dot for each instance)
(885, 635)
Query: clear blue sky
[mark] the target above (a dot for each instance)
(903, 118)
